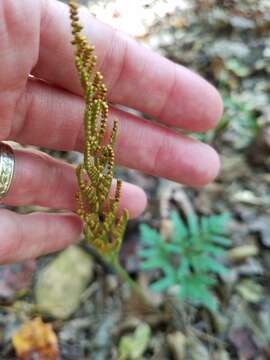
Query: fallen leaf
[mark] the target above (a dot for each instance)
(60, 284)
(243, 252)
(248, 197)
(177, 344)
(250, 291)
(133, 346)
(36, 337)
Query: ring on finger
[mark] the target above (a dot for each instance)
(7, 165)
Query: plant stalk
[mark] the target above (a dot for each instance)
(122, 273)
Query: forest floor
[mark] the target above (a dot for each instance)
(228, 43)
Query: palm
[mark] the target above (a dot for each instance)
(46, 109)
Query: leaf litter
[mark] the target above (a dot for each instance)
(228, 43)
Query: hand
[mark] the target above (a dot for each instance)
(46, 109)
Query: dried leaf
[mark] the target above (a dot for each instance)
(243, 252)
(36, 337)
(250, 291)
(61, 283)
(133, 346)
(177, 344)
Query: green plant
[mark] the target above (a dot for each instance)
(96, 208)
(241, 120)
(189, 258)
(103, 230)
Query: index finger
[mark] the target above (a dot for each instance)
(136, 77)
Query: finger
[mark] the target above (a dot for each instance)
(136, 77)
(42, 180)
(52, 118)
(19, 46)
(28, 236)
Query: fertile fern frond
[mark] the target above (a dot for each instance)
(95, 206)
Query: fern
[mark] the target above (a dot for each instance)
(103, 230)
(95, 206)
(189, 259)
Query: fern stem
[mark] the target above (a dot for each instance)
(122, 273)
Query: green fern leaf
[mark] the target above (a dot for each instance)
(190, 259)
(193, 225)
(204, 279)
(172, 248)
(221, 240)
(149, 236)
(179, 230)
(207, 264)
(214, 250)
(162, 284)
(183, 268)
(153, 264)
(218, 223)
(148, 253)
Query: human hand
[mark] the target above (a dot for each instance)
(46, 110)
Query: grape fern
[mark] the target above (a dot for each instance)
(189, 259)
(97, 209)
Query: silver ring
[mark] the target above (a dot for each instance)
(7, 165)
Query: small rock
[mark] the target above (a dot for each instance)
(61, 283)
